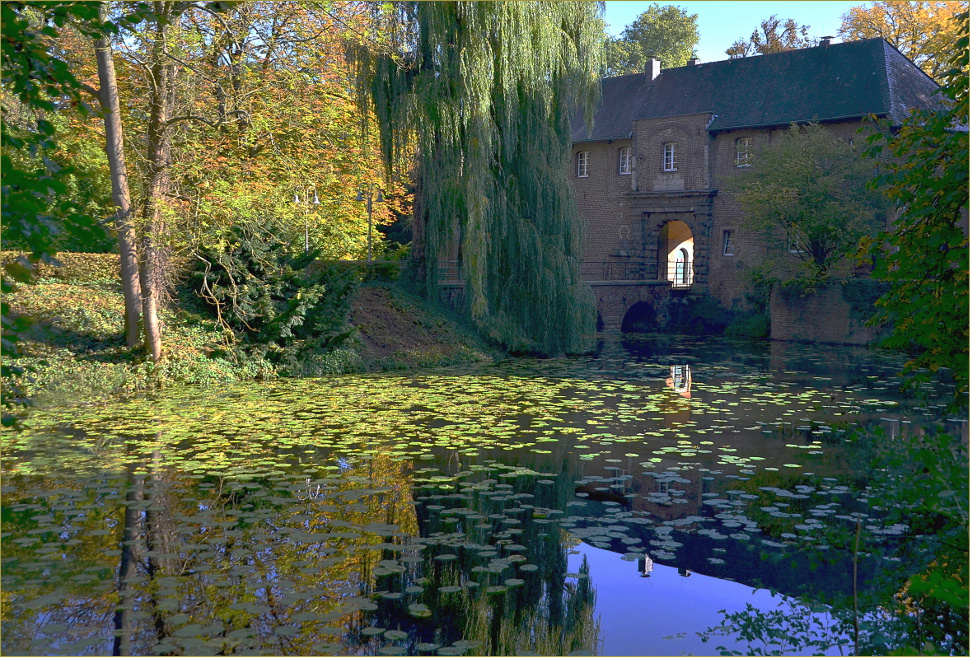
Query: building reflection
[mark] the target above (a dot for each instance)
(645, 565)
(676, 411)
(679, 380)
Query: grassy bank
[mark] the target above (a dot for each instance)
(76, 351)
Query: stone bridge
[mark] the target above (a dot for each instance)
(629, 295)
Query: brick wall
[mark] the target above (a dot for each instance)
(627, 213)
(689, 136)
(820, 317)
(601, 199)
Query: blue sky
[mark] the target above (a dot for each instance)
(722, 22)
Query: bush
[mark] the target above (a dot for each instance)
(377, 271)
(749, 326)
(82, 268)
(702, 315)
(276, 307)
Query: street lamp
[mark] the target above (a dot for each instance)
(366, 193)
(306, 215)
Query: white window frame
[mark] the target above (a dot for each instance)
(582, 164)
(727, 242)
(626, 167)
(670, 156)
(742, 152)
(793, 245)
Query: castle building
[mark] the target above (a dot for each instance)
(649, 176)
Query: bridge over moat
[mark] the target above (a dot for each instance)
(630, 295)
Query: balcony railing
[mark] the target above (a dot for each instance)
(679, 274)
(619, 270)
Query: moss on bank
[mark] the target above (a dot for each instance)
(76, 350)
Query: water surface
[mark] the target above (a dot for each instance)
(604, 505)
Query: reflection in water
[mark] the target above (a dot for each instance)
(679, 380)
(289, 564)
(645, 565)
(424, 514)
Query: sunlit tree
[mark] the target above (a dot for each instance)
(773, 35)
(924, 31)
(926, 266)
(667, 32)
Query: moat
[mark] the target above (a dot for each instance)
(603, 505)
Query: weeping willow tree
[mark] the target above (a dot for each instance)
(476, 98)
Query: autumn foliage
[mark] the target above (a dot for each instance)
(923, 31)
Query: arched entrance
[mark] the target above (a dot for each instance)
(640, 318)
(676, 250)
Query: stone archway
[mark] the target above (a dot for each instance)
(641, 317)
(614, 301)
(654, 211)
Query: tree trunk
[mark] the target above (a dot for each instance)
(120, 194)
(158, 156)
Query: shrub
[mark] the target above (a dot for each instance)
(702, 315)
(274, 305)
(749, 326)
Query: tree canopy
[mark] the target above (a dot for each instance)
(773, 35)
(923, 31)
(807, 194)
(926, 262)
(484, 92)
(247, 108)
(666, 32)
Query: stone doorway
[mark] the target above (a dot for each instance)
(676, 251)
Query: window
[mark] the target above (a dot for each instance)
(727, 243)
(625, 164)
(742, 151)
(670, 160)
(793, 245)
(582, 164)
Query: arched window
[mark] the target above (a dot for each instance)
(582, 164)
(626, 166)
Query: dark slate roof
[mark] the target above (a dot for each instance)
(840, 81)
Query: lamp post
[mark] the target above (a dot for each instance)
(366, 193)
(306, 214)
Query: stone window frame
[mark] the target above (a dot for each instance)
(742, 152)
(670, 156)
(625, 155)
(728, 240)
(582, 164)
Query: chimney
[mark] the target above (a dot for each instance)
(693, 61)
(653, 68)
(825, 41)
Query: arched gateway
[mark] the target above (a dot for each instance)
(665, 254)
